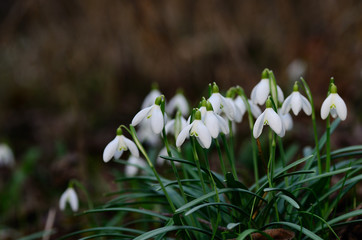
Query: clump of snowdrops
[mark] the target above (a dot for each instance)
(290, 198)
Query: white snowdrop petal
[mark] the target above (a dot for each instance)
(110, 149)
(286, 105)
(204, 135)
(215, 101)
(118, 154)
(140, 116)
(223, 124)
(307, 107)
(280, 94)
(255, 110)
(274, 120)
(326, 106)
(262, 91)
(296, 103)
(258, 125)
(63, 201)
(169, 127)
(341, 107)
(239, 109)
(183, 134)
(131, 146)
(73, 199)
(228, 108)
(333, 113)
(212, 124)
(157, 120)
(287, 121)
(150, 98)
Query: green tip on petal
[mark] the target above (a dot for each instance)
(333, 88)
(203, 102)
(295, 87)
(209, 106)
(197, 115)
(231, 93)
(119, 131)
(154, 86)
(159, 100)
(268, 103)
(180, 91)
(332, 80)
(265, 74)
(215, 88)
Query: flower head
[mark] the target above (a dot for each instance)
(118, 145)
(271, 118)
(135, 163)
(261, 91)
(334, 104)
(296, 102)
(153, 114)
(240, 109)
(151, 97)
(220, 103)
(6, 155)
(197, 129)
(214, 123)
(286, 119)
(69, 196)
(178, 102)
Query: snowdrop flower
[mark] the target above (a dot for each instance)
(296, 102)
(6, 156)
(118, 145)
(271, 118)
(214, 123)
(220, 103)
(261, 91)
(151, 97)
(132, 169)
(146, 135)
(286, 119)
(69, 196)
(175, 126)
(153, 114)
(334, 104)
(197, 129)
(178, 102)
(255, 110)
(240, 109)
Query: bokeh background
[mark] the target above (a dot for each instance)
(72, 71)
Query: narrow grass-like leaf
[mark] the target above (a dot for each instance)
(290, 201)
(38, 235)
(213, 193)
(166, 229)
(216, 204)
(141, 211)
(118, 235)
(118, 229)
(345, 216)
(321, 219)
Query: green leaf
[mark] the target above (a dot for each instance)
(290, 200)
(120, 229)
(166, 229)
(247, 232)
(216, 204)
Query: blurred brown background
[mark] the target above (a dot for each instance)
(72, 71)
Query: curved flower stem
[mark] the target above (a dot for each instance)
(197, 161)
(222, 163)
(165, 141)
(132, 131)
(282, 155)
(328, 143)
(253, 141)
(233, 170)
(310, 98)
(270, 171)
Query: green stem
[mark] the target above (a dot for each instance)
(222, 163)
(310, 98)
(270, 172)
(233, 170)
(132, 131)
(328, 144)
(282, 155)
(80, 185)
(197, 161)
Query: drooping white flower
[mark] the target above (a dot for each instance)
(334, 105)
(296, 102)
(69, 196)
(240, 109)
(286, 119)
(220, 103)
(153, 114)
(214, 123)
(197, 129)
(178, 102)
(118, 145)
(271, 118)
(260, 93)
(150, 98)
(255, 110)
(136, 163)
(175, 126)
(6, 156)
